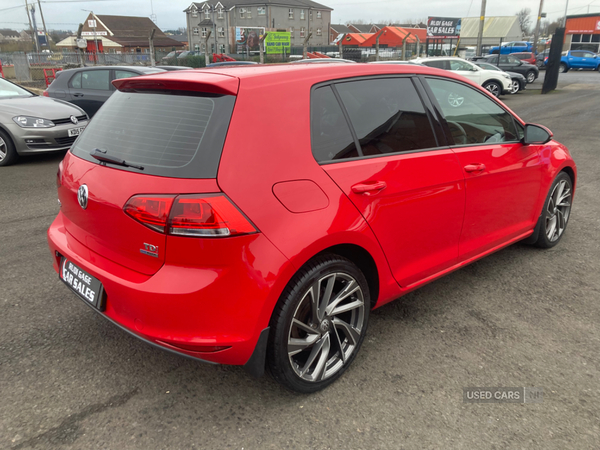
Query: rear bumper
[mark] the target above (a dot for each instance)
(184, 308)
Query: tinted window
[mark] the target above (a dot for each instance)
(95, 79)
(473, 118)
(578, 54)
(330, 133)
(170, 135)
(387, 115)
(124, 74)
(76, 81)
(486, 66)
(437, 64)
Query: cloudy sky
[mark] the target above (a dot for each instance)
(67, 14)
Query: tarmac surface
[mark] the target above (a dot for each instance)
(523, 317)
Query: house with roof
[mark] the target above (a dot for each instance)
(394, 37)
(228, 26)
(337, 30)
(121, 34)
(8, 35)
(360, 28)
(495, 30)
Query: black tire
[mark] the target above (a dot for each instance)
(563, 68)
(530, 76)
(550, 211)
(8, 154)
(493, 88)
(288, 356)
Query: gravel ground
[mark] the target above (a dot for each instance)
(520, 317)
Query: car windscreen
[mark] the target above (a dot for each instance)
(167, 133)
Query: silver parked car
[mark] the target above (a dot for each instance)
(30, 123)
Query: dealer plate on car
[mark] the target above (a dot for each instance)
(75, 131)
(82, 283)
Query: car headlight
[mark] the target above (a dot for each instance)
(32, 122)
(505, 75)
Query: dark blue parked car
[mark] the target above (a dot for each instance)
(512, 47)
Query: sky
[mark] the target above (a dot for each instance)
(67, 14)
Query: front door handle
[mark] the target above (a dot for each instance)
(78, 94)
(474, 167)
(369, 187)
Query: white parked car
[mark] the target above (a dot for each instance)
(497, 83)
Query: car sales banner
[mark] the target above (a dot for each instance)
(443, 27)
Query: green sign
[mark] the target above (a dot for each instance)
(278, 41)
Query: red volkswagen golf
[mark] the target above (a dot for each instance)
(254, 216)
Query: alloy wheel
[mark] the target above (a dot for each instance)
(514, 87)
(326, 327)
(530, 77)
(558, 210)
(455, 100)
(494, 89)
(3, 149)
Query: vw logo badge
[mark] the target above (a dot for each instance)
(74, 119)
(82, 196)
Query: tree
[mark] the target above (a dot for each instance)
(524, 17)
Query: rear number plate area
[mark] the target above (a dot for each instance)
(82, 283)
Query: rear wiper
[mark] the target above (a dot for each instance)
(101, 155)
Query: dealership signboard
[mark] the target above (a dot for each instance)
(247, 39)
(443, 27)
(277, 42)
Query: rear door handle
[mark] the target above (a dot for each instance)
(474, 167)
(368, 188)
(78, 94)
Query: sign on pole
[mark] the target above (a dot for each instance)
(278, 41)
(443, 27)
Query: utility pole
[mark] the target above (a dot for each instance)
(37, 44)
(404, 46)
(261, 43)
(44, 23)
(536, 34)
(30, 25)
(341, 45)
(151, 45)
(383, 30)
(481, 22)
(566, 8)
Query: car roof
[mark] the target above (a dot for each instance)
(226, 80)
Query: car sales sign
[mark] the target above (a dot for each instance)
(443, 27)
(277, 42)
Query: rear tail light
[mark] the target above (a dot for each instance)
(152, 211)
(45, 93)
(189, 215)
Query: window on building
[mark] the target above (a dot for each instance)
(318, 14)
(301, 14)
(319, 32)
(203, 47)
(261, 10)
(221, 48)
(310, 15)
(194, 13)
(242, 12)
(291, 31)
(221, 32)
(248, 13)
(595, 37)
(207, 13)
(195, 31)
(220, 13)
(586, 38)
(204, 32)
(290, 13)
(197, 47)
(576, 38)
(302, 32)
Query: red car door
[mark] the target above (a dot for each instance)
(502, 176)
(410, 191)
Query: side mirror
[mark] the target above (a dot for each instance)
(536, 134)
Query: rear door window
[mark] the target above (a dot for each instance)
(170, 135)
(95, 79)
(387, 115)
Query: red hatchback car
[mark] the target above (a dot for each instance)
(254, 216)
(527, 57)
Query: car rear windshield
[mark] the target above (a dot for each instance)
(169, 134)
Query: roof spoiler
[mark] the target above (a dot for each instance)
(184, 81)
